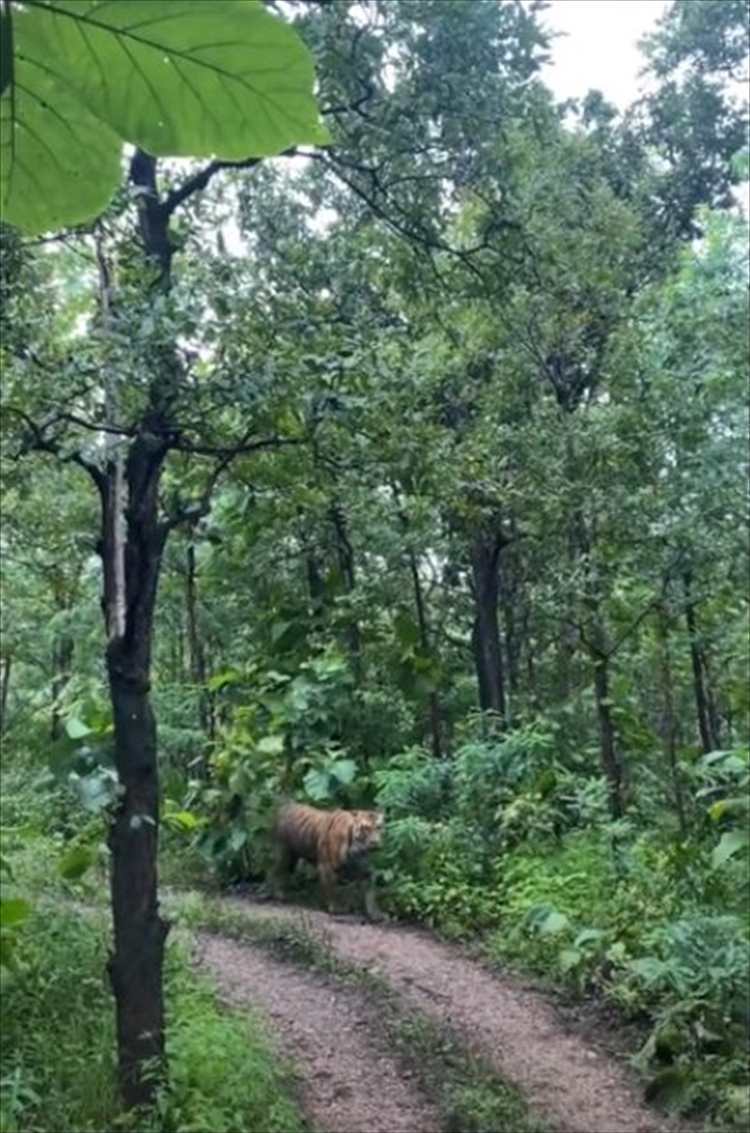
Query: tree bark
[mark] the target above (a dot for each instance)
(345, 555)
(698, 663)
(610, 759)
(196, 652)
(488, 660)
(669, 722)
(132, 544)
(136, 963)
(62, 661)
(5, 668)
(435, 714)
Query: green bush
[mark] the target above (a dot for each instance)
(58, 1063)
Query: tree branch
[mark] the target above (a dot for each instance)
(35, 440)
(239, 449)
(200, 180)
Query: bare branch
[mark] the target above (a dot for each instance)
(37, 441)
(239, 449)
(200, 180)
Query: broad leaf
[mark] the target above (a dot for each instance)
(220, 680)
(218, 78)
(75, 863)
(181, 820)
(76, 728)
(569, 958)
(318, 785)
(271, 745)
(343, 770)
(13, 911)
(553, 923)
(731, 842)
(59, 163)
(649, 968)
(207, 78)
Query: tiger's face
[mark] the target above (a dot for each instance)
(367, 832)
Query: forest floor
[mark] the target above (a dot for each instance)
(358, 1077)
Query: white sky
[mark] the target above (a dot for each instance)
(600, 48)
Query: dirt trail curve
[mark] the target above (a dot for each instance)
(347, 1085)
(573, 1087)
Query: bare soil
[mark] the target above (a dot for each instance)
(569, 1080)
(347, 1085)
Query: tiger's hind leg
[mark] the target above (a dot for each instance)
(284, 862)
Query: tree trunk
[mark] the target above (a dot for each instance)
(669, 721)
(62, 661)
(488, 660)
(132, 544)
(139, 932)
(345, 555)
(196, 653)
(136, 964)
(5, 667)
(697, 659)
(610, 759)
(435, 713)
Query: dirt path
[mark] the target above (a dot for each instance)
(573, 1086)
(347, 1084)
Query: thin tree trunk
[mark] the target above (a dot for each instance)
(5, 668)
(196, 654)
(345, 555)
(669, 722)
(610, 759)
(424, 636)
(488, 661)
(697, 660)
(62, 661)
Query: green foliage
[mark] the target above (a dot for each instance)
(148, 72)
(275, 743)
(58, 1062)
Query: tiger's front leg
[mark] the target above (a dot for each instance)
(372, 912)
(327, 879)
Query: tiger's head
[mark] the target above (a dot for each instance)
(367, 830)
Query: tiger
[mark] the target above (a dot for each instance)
(338, 842)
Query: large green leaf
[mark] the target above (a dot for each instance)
(219, 78)
(730, 843)
(59, 164)
(75, 862)
(13, 911)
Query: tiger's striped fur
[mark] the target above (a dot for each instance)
(336, 841)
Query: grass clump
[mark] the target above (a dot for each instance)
(58, 1057)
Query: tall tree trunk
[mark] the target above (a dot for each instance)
(139, 932)
(62, 662)
(669, 722)
(435, 713)
(132, 544)
(488, 660)
(610, 760)
(196, 652)
(5, 666)
(315, 586)
(345, 554)
(697, 660)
